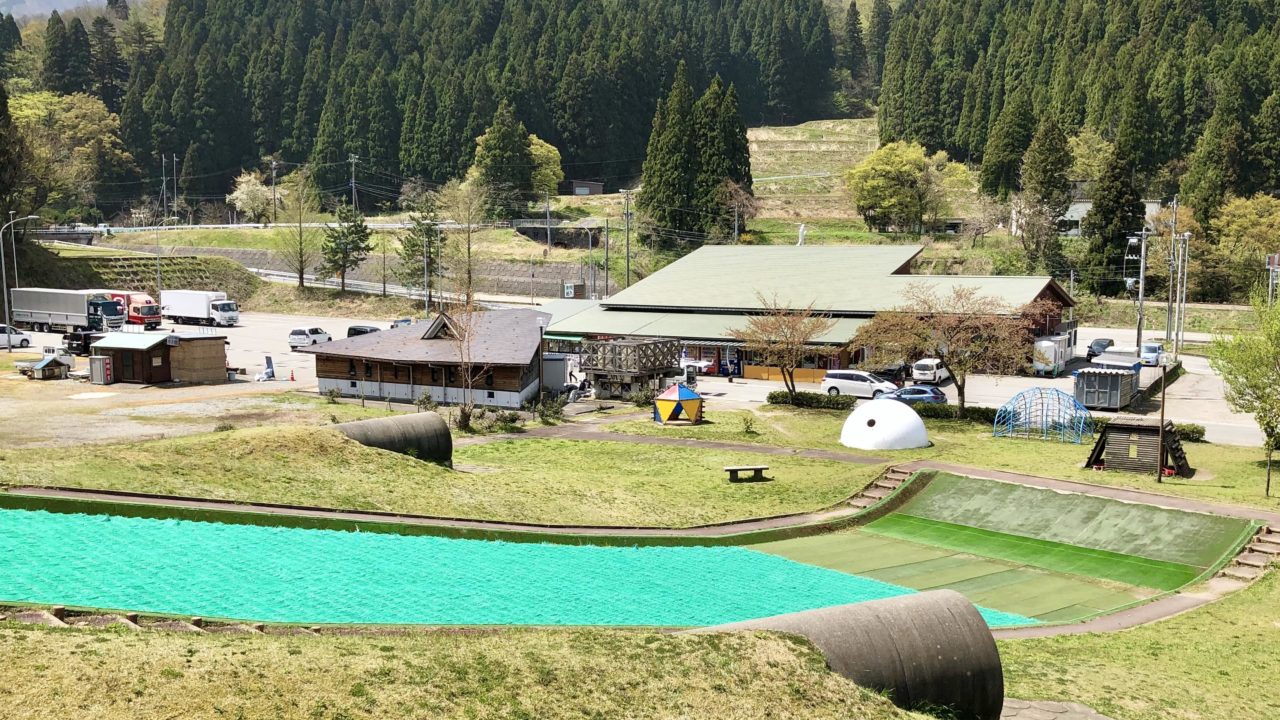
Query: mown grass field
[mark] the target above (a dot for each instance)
(540, 481)
(1215, 663)
(1225, 473)
(110, 675)
(289, 299)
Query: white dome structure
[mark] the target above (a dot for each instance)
(884, 425)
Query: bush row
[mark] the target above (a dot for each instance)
(813, 400)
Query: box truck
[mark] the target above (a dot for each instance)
(48, 310)
(139, 308)
(199, 307)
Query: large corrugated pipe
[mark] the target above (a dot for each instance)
(930, 649)
(424, 435)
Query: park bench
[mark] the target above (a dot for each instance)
(757, 472)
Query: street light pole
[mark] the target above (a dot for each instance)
(4, 279)
(542, 327)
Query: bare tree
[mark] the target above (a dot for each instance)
(298, 248)
(1036, 227)
(739, 206)
(464, 203)
(461, 322)
(987, 215)
(967, 331)
(783, 337)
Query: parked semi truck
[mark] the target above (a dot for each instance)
(139, 308)
(199, 307)
(48, 310)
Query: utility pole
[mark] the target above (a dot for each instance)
(352, 158)
(175, 185)
(1182, 288)
(13, 248)
(1140, 240)
(548, 196)
(426, 276)
(1072, 292)
(164, 191)
(274, 202)
(1173, 241)
(626, 216)
(1273, 268)
(736, 239)
(606, 257)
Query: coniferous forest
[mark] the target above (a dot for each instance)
(407, 85)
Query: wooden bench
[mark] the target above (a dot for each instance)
(757, 472)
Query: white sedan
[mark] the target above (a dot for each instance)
(13, 337)
(302, 337)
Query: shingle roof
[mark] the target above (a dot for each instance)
(856, 279)
(498, 337)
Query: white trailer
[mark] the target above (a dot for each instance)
(49, 310)
(199, 307)
(1051, 355)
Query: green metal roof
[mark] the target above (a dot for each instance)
(856, 279)
(686, 326)
(130, 341)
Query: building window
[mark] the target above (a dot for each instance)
(368, 370)
(490, 394)
(448, 375)
(351, 368)
(395, 372)
(488, 380)
(435, 375)
(353, 384)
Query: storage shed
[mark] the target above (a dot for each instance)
(1132, 443)
(199, 358)
(137, 357)
(51, 367)
(1105, 388)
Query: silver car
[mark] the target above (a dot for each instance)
(302, 337)
(855, 383)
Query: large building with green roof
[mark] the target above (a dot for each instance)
(703, 297)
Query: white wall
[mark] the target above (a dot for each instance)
(409, 393)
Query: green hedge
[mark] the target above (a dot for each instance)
(813, 400)
(952, 412)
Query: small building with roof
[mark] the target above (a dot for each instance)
(152, 358)
(483, 357)
(703, 297)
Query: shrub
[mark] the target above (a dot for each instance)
(226, 427)
(424, 402)
(983, 415)
(332, 395)
(813, 400)
(1189, 432)
(748, 424)
(643, 397)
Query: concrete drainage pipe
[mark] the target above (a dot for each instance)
(424, 435)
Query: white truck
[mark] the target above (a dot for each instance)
(199, 307)
(49, 310)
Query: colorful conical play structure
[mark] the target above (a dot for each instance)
(675, 401)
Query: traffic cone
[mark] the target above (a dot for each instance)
(291, 376)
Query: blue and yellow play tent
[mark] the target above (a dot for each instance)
(677, 400)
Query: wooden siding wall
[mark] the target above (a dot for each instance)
(507, 378)
(1146, 443)
(200, 361)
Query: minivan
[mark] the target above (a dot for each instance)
(930, 371)
(855, 383)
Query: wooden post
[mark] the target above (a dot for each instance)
(1164, 372)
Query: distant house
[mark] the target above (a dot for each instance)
(585, 187)
(151, 358)
(500, 348)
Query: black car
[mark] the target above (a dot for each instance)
(80, 343)
(1099, 346)
(355, 330)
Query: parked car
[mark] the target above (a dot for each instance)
(13, 336)
(702, 366)
(897, 373)
(856, 383)
(301, 337)
(1152, 353)
(401, 323)
(355, 330)
(1097, 347)
(929, 370)
(927, 394)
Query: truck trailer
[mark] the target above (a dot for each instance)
(199, 307)
(49, 310)
(139, 308)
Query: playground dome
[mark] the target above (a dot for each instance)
(884, 425)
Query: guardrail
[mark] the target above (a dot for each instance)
(118, 230)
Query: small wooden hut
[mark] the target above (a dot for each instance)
(1132, 443)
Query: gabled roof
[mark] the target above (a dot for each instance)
(497, 337)
(841, 280)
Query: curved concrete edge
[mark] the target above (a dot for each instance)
(931, 649)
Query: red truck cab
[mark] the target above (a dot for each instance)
(139, 309)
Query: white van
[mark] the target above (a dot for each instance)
(855, 383)
(930, 371)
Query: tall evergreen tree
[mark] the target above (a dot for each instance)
(878, 37)
(666, 200)
(108, 69)
(119, 9)
(504, 163)
(1266, 143)
(1045, 168)
(854, 48)
(10, 36)
(1220, 158)
(1116, 214)
(346, 244)
(781, 73)
(736, 146)
(713, 156)
(10, 153)
(53, 70)
(1002, 158)
(77, 75)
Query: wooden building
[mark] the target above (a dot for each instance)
(1133, 443)
(497, 350)
(199, 358)
(138, 357)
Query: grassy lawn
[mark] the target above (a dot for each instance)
(542, 481)
(1122, 313)
(510, 674)
(1225, 473)
(1215, 663)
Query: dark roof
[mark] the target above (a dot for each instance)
(498, 337)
